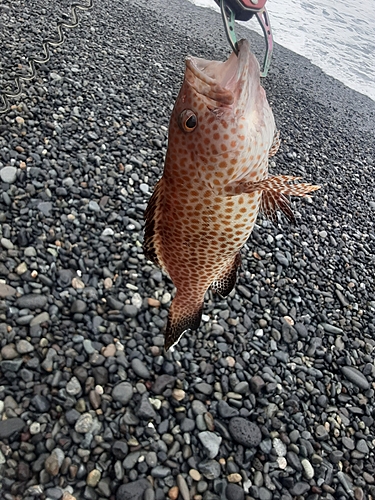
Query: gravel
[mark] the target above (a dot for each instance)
(273, 397)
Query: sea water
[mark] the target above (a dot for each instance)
(337, 36)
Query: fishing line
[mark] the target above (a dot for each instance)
(5, 95)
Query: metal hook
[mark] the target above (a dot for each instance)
(228, 19)
(265, 24)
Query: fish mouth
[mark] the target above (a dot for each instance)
(224, 82)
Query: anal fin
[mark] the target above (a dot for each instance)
(226, 280)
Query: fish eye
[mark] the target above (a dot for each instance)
(187, 120)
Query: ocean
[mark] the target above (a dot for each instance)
(339, 37)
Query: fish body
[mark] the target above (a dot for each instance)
(221, 134)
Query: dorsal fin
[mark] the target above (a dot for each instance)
(150, 243)
(225, 281)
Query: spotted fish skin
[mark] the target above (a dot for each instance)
(203, 210)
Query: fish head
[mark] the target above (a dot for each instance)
(221, 108)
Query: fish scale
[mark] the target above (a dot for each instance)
(215, 181)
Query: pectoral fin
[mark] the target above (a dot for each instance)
(225, 281)
(183, 316)
(274, 193)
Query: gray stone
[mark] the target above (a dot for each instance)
(281, 259)
(54, 462)
(6, 243)
(299, 488)
(225, 410)
(130, 310)
(10, 426)
(6, 290)
(257, 384)
(93, 206)
(39, 319)
(78, 306)
(187, 425)
(144, 409)
(11, 365)
(183, 487)
(139, 368)
(245, 432)
(24, 347)
(211, 443)
(133, 491)
(362, 446)
(8, 174)
(73, 387)
(31, 301)
(160, 471)
(198, 407)
(163, 382)
(84, 424)
(204, 388)
(210, 469)
(45, 207)
(122, 392)
(41, 403)
(356, 377)
(234, 492)
(131, 460)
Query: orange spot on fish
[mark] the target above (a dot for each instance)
(216, 136)
(233, 144)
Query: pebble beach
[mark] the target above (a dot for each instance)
(273, 397)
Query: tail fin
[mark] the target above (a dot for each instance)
(183, 316)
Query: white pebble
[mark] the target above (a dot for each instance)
(308, 468)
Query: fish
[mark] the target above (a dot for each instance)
(216, 179)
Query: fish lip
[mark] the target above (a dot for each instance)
(221, 81)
